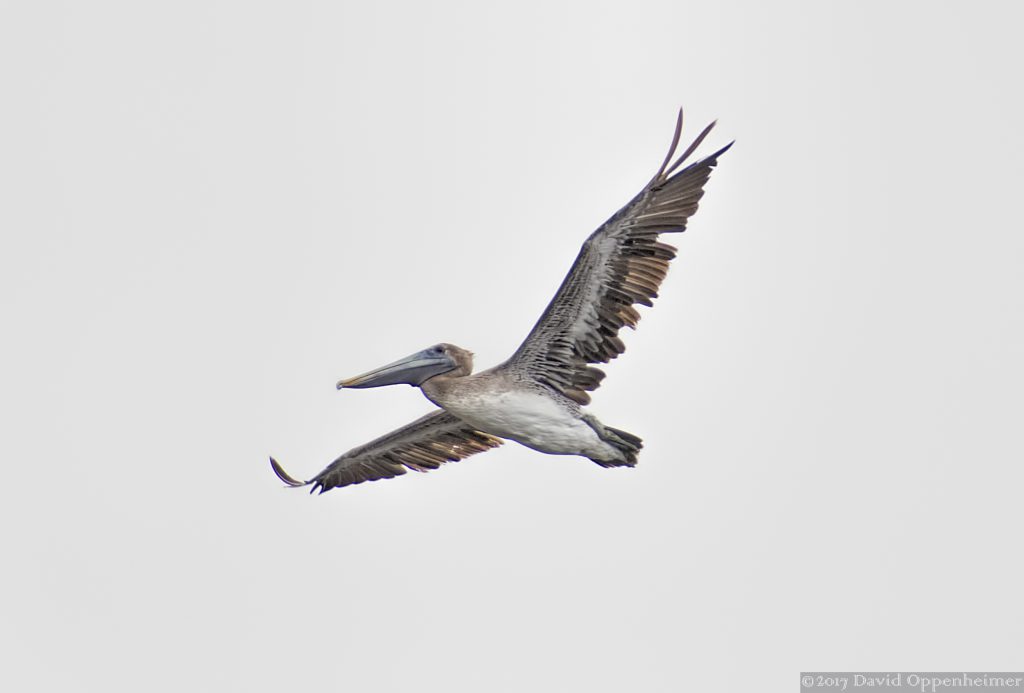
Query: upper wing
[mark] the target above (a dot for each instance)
(621, 264)
(423, 445)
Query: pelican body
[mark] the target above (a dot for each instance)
(537, 397)
(503, 403)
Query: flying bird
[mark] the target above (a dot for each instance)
(537, 396)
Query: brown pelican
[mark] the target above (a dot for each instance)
(537, 396)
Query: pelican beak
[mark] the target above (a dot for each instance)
(412, 370)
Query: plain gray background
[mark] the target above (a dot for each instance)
(214, 210)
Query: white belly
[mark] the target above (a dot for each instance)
(531, 419)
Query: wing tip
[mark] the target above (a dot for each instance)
(668, 166)
(671, 148)
(691, 149)
(284, 476)
(721, 151)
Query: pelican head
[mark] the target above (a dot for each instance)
(417, 368)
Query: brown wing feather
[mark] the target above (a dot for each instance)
(425, 444)
(620, 265)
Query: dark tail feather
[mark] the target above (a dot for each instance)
(627, 443)
(634, 442)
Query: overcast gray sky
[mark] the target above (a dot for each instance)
(214, 210)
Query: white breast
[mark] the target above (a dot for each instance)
(529, 418)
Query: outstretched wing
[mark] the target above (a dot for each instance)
(425, 444)
(621, 264)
